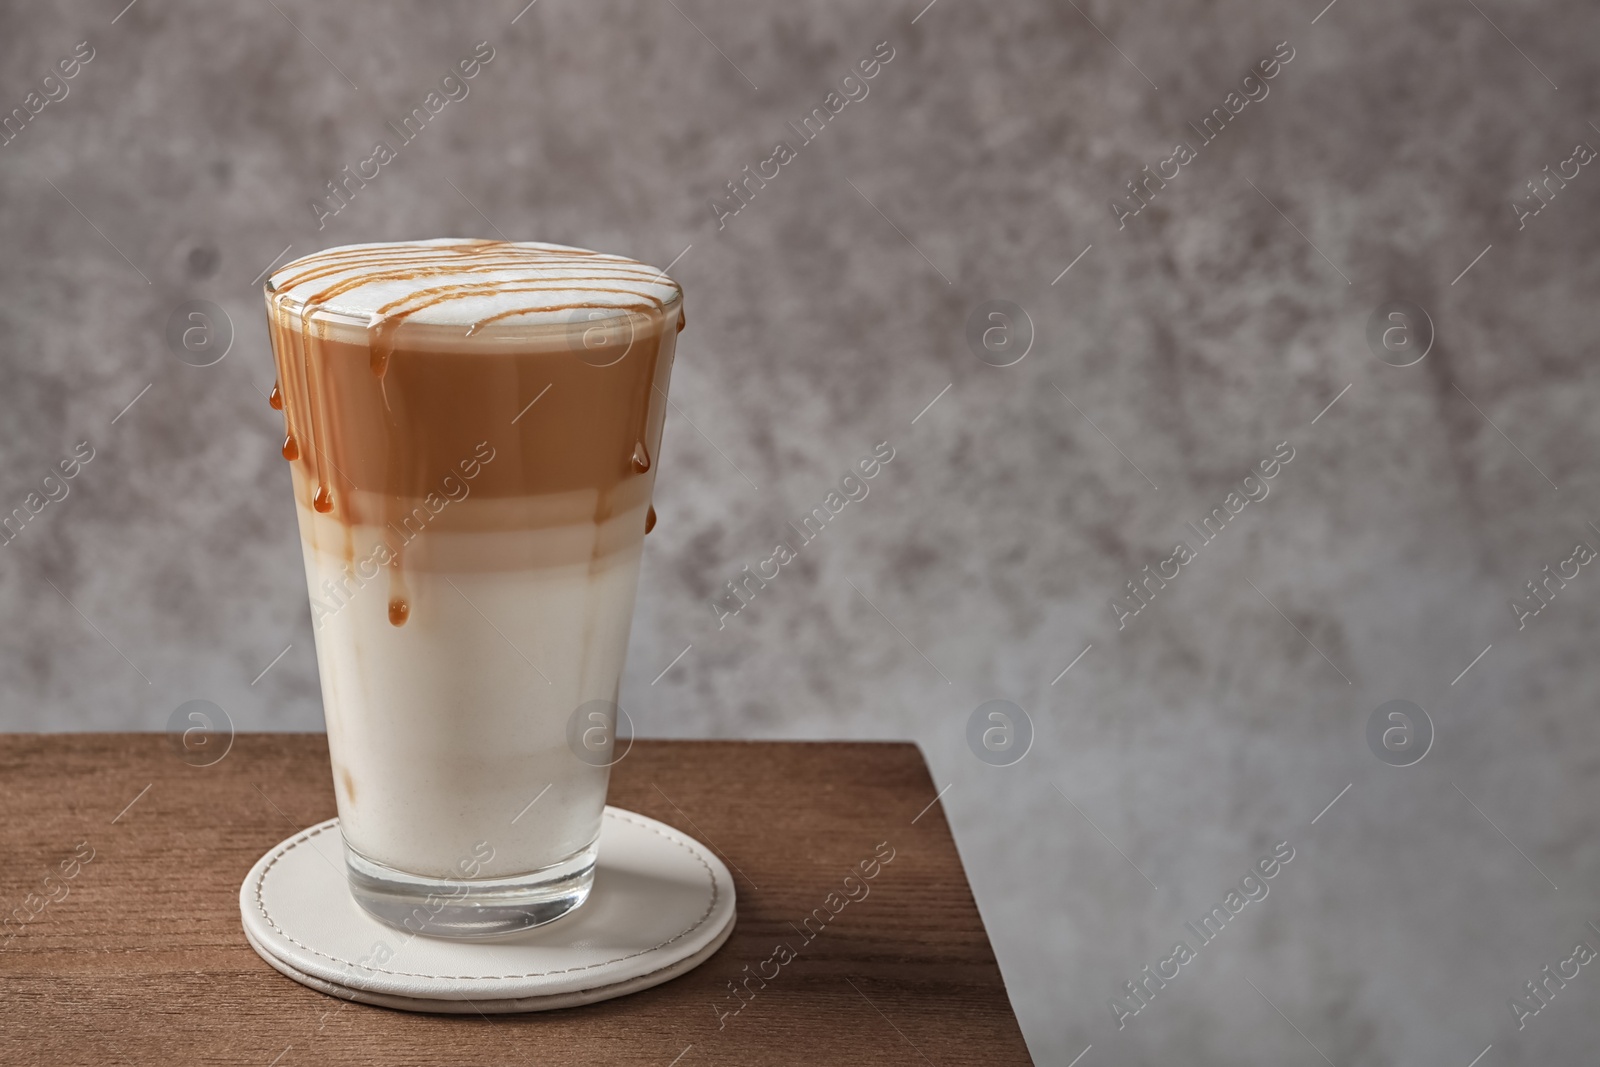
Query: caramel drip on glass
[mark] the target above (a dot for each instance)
(316, 356)
(311, 368)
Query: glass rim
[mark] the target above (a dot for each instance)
(357, 328)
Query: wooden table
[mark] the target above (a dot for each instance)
(126, 863)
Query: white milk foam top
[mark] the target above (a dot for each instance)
(514, 282)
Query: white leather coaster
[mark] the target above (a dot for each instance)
(662, 903)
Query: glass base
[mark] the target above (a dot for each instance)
(470, 908)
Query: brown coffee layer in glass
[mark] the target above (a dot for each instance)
(545, 412)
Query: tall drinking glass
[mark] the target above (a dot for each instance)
(472, 429)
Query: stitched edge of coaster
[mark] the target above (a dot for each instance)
(305, 836)
(459, 1005)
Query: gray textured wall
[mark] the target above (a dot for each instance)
(822, 319)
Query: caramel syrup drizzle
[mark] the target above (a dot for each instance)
(302, 347)
(360, 267)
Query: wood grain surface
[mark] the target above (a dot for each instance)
(126, 863)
